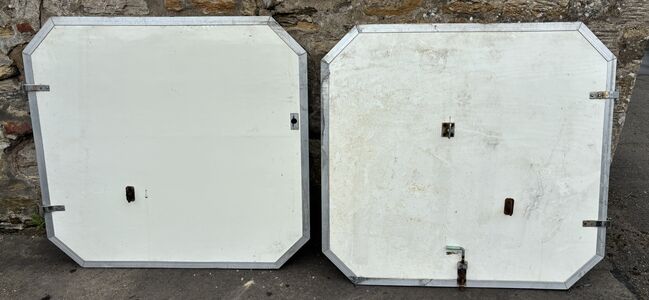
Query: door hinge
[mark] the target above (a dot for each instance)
(51, 208)
(596, 223)
(605, 95)
(36, 87)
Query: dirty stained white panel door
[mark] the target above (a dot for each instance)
(397, 193)
(205, 118)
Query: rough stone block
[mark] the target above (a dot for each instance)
(215, 7)
(115, 7)
(174, 5)
(390, 7)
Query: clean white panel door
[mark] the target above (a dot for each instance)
(196, 114)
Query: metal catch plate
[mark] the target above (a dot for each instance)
(36, 87)
(295, 121)
(604, 95)
(448, 129)
(51, 208)
(595, 223)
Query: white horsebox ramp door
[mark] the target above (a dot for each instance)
(171, 142)
(485, 140)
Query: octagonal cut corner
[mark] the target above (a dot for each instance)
(37, 39)
(339, 264)
(340, 46)
(282, 34)
(596, 42)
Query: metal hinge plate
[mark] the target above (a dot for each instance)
(36, 87)
(605, 95)
(51, 208)
(596, 223)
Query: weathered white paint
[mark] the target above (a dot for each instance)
(525, 129)
(196, 118)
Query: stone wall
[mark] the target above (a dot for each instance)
(623, 25)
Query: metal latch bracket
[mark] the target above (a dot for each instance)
(51, 208)
(596, 223)
(604, 95)
(295, 121)
(462, 265)
(36, 87)
(448, 129)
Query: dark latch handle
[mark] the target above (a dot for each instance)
(509, 206)
(462, 265)
(130, 194)
(461, 273)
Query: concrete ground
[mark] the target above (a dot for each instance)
(33, 268)
(627, 244)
